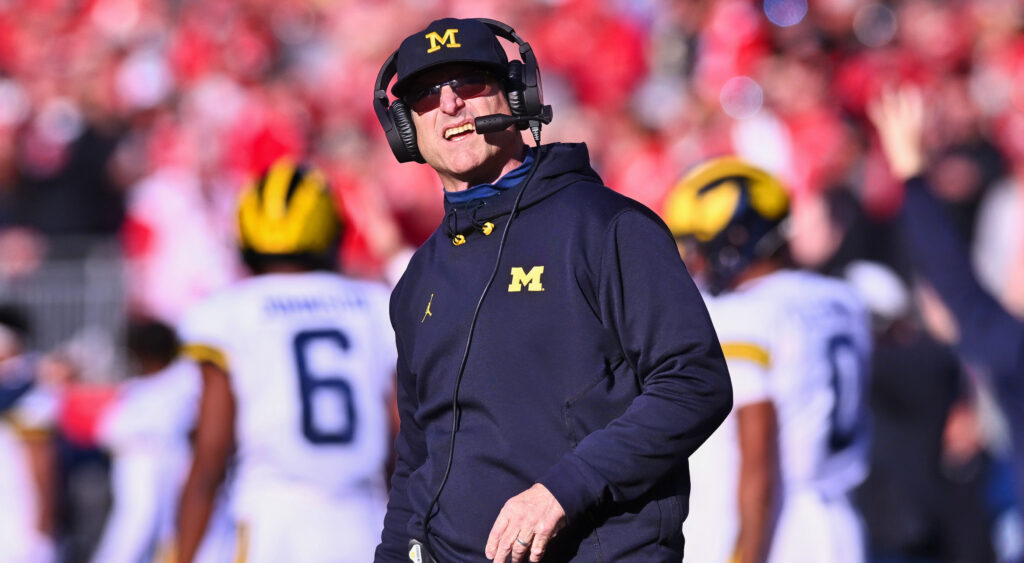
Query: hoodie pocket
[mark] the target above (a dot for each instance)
(601, 400)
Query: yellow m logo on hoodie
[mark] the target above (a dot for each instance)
(531, 280)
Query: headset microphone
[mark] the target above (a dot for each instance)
(500, 121)
(496, 122)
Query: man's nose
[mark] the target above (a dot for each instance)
(450, 101)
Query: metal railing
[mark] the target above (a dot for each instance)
(79, 288)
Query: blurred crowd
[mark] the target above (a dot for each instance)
(141, 119)
(138, 121)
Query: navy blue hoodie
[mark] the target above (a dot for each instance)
(593, 369)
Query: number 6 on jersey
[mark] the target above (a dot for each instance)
(322, 394)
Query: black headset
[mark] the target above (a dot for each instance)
(521, 83)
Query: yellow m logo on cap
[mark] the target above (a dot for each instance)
(436, 40)
(531, 280)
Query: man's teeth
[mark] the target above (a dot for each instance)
(449, 133)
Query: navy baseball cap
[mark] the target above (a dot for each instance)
(447, 41)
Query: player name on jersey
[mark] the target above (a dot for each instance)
(288, 305)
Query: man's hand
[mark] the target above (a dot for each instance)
(899, 118)
(525, 524)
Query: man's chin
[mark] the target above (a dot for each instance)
(472, 169)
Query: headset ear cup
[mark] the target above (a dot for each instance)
(514, 88)
(406, 130)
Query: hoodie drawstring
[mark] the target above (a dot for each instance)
(486, 227)
(451, 223)
(451, 220)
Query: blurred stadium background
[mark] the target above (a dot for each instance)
(128, 126)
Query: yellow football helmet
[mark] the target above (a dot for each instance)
(288, 214)
(732, 210)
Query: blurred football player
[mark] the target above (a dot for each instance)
(146, 430)
(298, 366)
(27, 472)
(771, 484)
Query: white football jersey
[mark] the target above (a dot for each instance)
(803, 341)
(30, 418)
(20, 539)
(153, 411)
(713, 524)
(311, 358)
(146, 430)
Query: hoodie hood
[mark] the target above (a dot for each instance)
(559, 165)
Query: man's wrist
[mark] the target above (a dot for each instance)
(566, 482)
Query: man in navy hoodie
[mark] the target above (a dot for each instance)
(556, 364)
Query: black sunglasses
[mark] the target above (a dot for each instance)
(465, 86)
